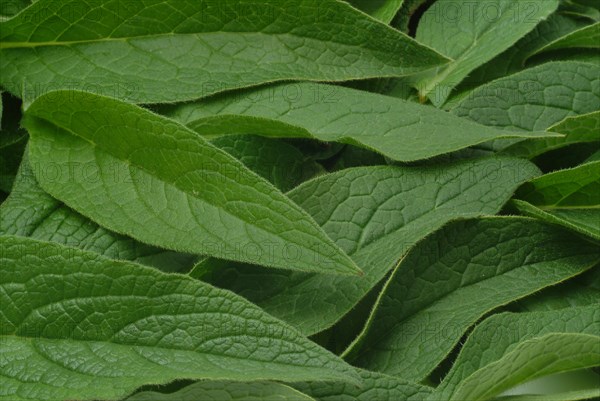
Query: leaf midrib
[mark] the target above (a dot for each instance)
(22, 45)
(33, 339)
(196, 196)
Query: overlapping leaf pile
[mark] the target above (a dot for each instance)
(300, 200)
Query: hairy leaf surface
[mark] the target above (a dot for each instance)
(454, 277)
(226, 391)
(163, 51)
(375, 214)
(160, 183)
(472, 33)
(98, 328)
(500, 334)
(568, 197)
(399, 129)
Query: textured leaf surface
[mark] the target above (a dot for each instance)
(98, 328)
(581, 291)
(453, 278)
(588, 37)
(375, 214)
(226, 391)
(157, 51)
(375, 386)
(278, 162)
(555, 352)
(514, 59)
(568, 197)
(536, 98)
(398, 129)
(578, 129)
(31, 212)
(160, 183)
(472, 33)
(498, 335)
(383, 10)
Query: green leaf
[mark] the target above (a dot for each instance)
(535, 99)
(226, 391)
(472, 33)
(583, 290)
(500, 334)
(375, 386)
(398, 129)
(75, 325)
(588, 37)
(30, 212)
(383, 10)
(537, 357)
(578, 129)
(278, 162)
(513, 59)
(133, 52)
(576, 395)
(375, 214)
(147, 177)
(453, 278)
(12, 7)
(568, 197)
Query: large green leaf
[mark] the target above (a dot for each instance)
(588, 37)
(454, 277)
(226, 391)
(500, 334)
(31, 212)
(396, 128)
(375, 387)
(578, 129)
(472, 33)
(536, 98)
(375, 214)
(145, 176)
(555, 352)
(173, 50)
(568, 197)
(75, 325)
(513, 59)
(383, 10)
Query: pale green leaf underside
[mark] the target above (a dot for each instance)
(162, 184)
(383, 10)
(536, 98)
(568, 197)
(588, 37)
(374, 387)
(500, 334)
(375, 214)
(454, 277)
(226, 391)
(91, 328)
(163, 51)
(578, 129)
(472, 33)
(552, 353)
(399, 129)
